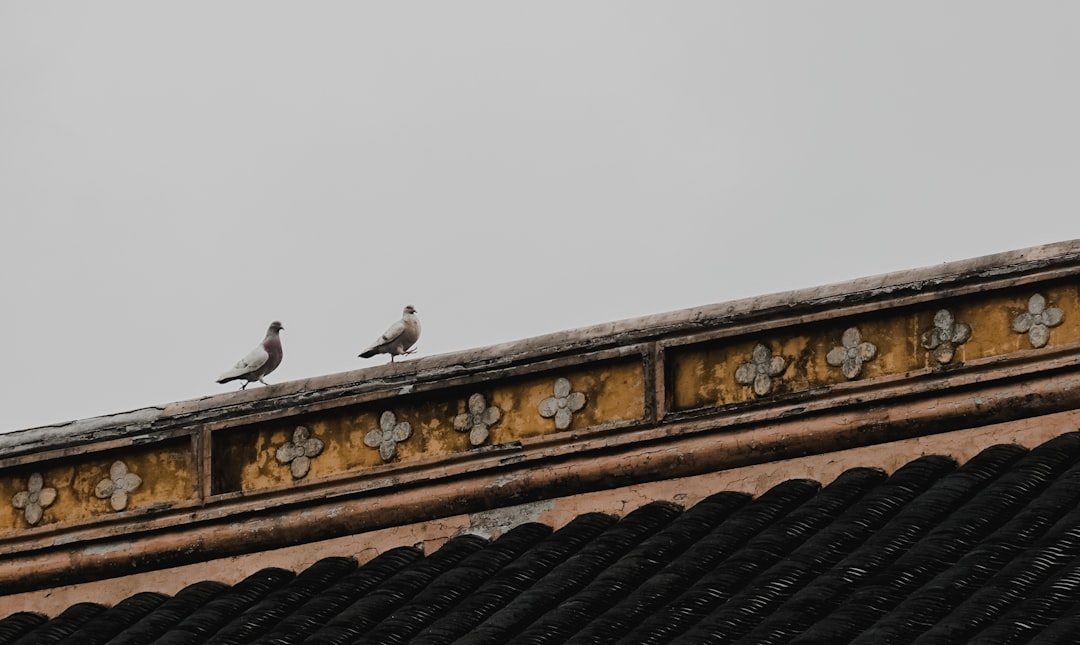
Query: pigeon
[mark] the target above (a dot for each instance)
(399, 339)
(260, 361)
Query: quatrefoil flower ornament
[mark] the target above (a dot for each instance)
(117, 485)
(852, 352)
(299, 452)
(477, 419)
(34, 499)
(1037, 320)
(945, 336)
(563, 405)
(760, 370)
(388, 435)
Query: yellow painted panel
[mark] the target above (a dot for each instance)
(613, 392)
(706, 375)
(246, 458)
(166, 472)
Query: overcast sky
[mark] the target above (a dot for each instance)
(174, 176)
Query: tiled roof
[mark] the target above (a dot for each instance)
(986, 552)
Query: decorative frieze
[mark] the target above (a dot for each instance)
(87, 484)
(803, 357)
(423, 426)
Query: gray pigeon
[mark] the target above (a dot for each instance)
(260, 361)
(399, 339)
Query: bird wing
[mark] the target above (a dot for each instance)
(255, 359)
(390, 335)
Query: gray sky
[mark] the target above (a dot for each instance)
(174, 176)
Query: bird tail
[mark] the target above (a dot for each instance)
(368, 354)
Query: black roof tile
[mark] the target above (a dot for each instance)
(763, 550)
(987, 552)
(206, 621)
(368, 611)
(103, 627)
(270, 610)
(17, 624)
(946, 542)
(733, 531)
(67, 623)
(323, 607)
(154, 625)
(644, 560)
(451, 587)
(830, 590)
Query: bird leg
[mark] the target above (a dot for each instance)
(244, 386)
(405, 353)
(264, 382)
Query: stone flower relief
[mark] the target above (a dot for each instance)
(34, 499)
(761, 369)
(852, 352)
(117, 485)
(477, 419)
(944, 337)
(563, 405)
(299, 452)
(1037, 320)
(388, 435)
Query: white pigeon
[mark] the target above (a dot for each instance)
(260, 361)
(399, 339)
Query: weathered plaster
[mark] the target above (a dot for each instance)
(166, 469)
(704, 375)
(245, 457)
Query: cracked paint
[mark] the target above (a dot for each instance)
(495, 522)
